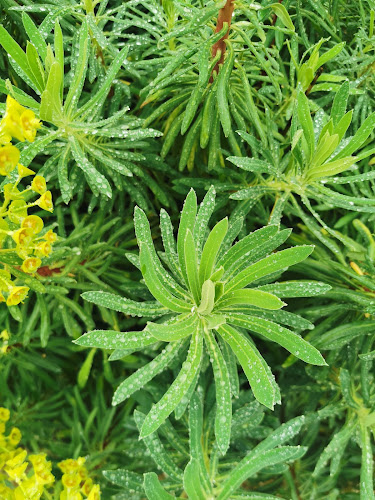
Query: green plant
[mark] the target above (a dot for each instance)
(207, 292)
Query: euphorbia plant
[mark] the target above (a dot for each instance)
(212, 294)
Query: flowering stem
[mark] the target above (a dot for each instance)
(225, 16)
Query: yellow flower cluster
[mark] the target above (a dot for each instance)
(76, 481)
(22, 477)
(20, 232)
(26, 477)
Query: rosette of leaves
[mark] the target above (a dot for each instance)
(91, 139)
(211, 295)
(206, 83)
(296, 175)
(194, 470)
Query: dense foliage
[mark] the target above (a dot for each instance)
(192, 316)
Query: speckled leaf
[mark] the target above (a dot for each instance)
(287, 289)
(124, 305)
(223, 418)
(250, 465)
(251, 297)
(108, 339)
(255, 371)
(161, 410)
(282, 336)
(175, 329)
(276, 262)
(146, 373)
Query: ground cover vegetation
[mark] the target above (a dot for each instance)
(187, 249)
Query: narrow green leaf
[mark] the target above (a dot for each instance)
(147, 372)
(306, 122)
(187, 221)
(191, 266)
(109, 339)
(358, 139)
(34, 34)
(15, 52)
(211, 249)
(248, 467)
(80, 70)
(84, 371)
(156, 286)
(175, 329)
(223, 418)
(255, 372)
(367, 466)
(287, 289)
(282, 14)
(97, 182)
(246, 245)
(154, 490)
(161, 410)
(160, 455)
(282, 336)
(124, 305)
(35, 66)
(339, 103)
(222, 91)
(276, 262)
(192, 481)
(251, 297)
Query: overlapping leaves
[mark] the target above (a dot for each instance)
(212, 294)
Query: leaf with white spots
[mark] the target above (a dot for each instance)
(286, 338)
(251, 464)
(146, 373)
(256, 373)
(109, 339)
(124, 305)
(223, 418)
(161, 410)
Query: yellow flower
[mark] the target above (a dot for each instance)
(24, 171)
(2, 298)
(17, 459)
(5, 336)
(29, 124)
(64, 495)
(4, 137)
(44, 249)
(17, 211)
(31, 265)
(39, 184)
(71, 480)
(17, 295)
(4, 412)
(86, 488)
(9, 157)
(50, 236)
(33, 222)
(12, 193)
(45, 201)
(94, 493)
(11, 123)
(23, 236)
(68, 465)
(16, 473)
(15, 436)
(28, 489)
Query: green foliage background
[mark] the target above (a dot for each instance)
(281, 137)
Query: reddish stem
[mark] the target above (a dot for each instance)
(225, 16)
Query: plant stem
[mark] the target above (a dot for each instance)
(225, 16)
